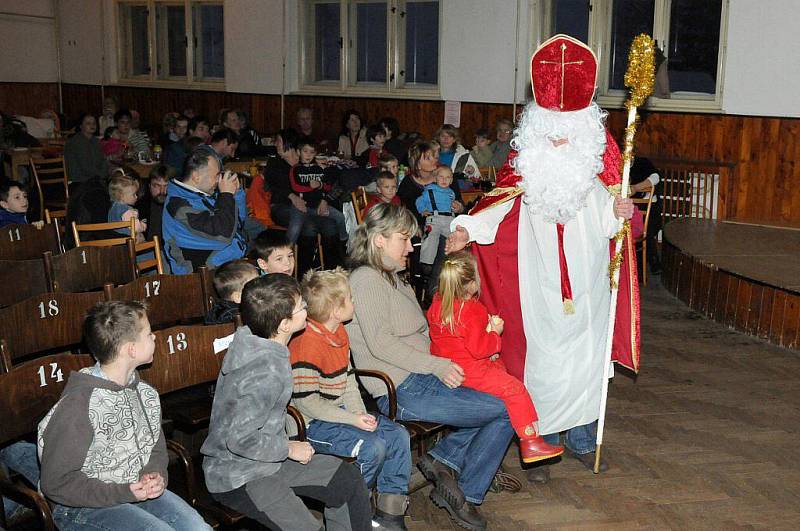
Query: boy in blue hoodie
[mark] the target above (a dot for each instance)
(199, 226)
(14, 205)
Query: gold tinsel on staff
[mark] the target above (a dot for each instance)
(640, 79)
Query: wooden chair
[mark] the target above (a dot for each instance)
(50, 173)
(646, 204)
(360, 201)
(27, 392)
(153, 245)
(90, 268)
(45, 322)
(419, 430)
(25, 242)
(59, 219)
(171, 299)
(28, 278)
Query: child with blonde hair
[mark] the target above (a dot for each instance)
(327, 394)
(124, 192)
(462, 330)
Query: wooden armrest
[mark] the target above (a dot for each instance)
(188, 469)
(392, 392)
(298, 419)
(17, 491)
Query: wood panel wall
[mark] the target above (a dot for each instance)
(28, 99)
(764, 151)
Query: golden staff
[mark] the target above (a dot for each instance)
(639, 78)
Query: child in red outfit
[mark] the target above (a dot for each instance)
(462, 330)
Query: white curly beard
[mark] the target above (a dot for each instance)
(557, 180)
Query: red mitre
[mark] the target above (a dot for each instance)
(563, 74)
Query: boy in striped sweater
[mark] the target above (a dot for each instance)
(326, 393)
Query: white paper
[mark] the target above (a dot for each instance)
(452, 113)
(222, 343)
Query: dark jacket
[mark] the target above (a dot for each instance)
(84, 159)
(12, 218)
(98, 439)
(222, 312)
(276, 178)
(247, 433)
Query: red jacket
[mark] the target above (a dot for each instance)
(469, 344)
(377, 200)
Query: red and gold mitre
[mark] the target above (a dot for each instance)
(563, 74)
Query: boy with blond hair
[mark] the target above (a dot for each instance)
(327, 394)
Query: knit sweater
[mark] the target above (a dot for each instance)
(389, 332)
(325, 386)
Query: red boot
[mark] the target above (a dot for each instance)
(534, 448)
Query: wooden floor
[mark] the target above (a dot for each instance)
(705, 438)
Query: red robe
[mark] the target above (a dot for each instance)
(498, 265)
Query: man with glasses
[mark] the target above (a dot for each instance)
(199, 226)
(502, 146)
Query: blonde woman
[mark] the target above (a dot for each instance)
(389, 333)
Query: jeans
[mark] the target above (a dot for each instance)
(252, 228)
(165, 513)
(383, 455)
(21, 458)
(308, 223)
(477, 448)
(579, 440)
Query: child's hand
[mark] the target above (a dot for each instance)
(323, 209)
(425, 213)
(139, 490)
(496, 324)
(366, 422)
(38, 224)
(141, 226)
(153, 484)
(315, 184)
(300, 452)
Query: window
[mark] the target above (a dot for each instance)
(176, 41)
(689, 35)
(370, 47)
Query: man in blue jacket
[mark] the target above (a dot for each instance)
(201, 227)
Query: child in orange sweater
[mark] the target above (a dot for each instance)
(326, 393)
(462, 329)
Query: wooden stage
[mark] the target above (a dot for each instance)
(746, 277)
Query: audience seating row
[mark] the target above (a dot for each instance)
(54, 319)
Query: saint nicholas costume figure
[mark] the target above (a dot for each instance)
(544, 243)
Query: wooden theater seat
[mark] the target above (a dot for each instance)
(45, 322)
(27, 392)
(26, 242)
(171, 299)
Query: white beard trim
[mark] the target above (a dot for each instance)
(557, 180)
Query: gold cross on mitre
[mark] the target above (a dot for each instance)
(563, 64)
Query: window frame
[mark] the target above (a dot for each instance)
(156, 43)
(599, 32)
(347, 85)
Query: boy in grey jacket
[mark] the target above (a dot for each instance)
(103, 453)
(250, 464)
